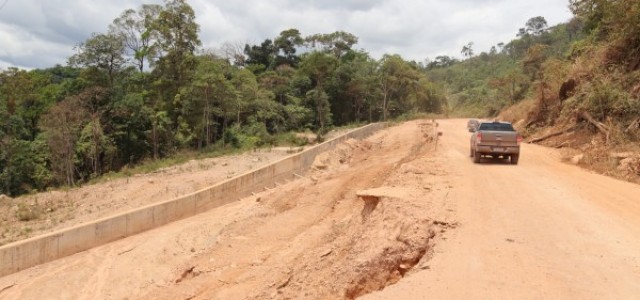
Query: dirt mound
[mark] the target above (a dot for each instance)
(374, 248)
(341, 155)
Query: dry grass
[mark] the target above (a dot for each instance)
(606, 93)
(517, 114)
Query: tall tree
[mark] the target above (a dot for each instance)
(319, 66)
(337, 43)
(260, 58)
(279, 82)
(536, 26)
(201, 112)
(594, 12)
(511, 85)
(532, 62)
(135, 29)
(354, 88)
(396, 79)
(104, 52)
(285, 46)
(177, 41)
(234, 52)
(93, 145)
(320, 100)
(442, 61)
(62, 126)
(129, 119)
(467, 50)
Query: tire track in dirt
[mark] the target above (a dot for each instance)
(96, 283)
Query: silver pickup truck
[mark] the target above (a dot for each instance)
(495, 139)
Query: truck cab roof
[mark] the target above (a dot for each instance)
(495, 126)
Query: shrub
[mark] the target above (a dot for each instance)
(26, 212)
(231, 137)
(604, 98)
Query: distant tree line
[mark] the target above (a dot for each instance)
(146, 89)
(482, 85)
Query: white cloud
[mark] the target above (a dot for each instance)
(36, 33)
(23, 49)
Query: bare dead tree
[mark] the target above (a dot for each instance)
(234, 52)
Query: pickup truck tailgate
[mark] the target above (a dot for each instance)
(499, 138)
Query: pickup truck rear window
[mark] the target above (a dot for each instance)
(496, 127)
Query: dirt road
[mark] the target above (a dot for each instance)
(540, 230)
(389, 212)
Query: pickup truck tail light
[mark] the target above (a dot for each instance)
(519, 139)
(478, 138)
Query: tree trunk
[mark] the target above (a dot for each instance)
(154, 133)
(601, 127)
(224, 129)
(96, 147)
(358, 110)
(384, 106)
(319, 112)
(385, 96)
(633, 126)
(205, 116)
(557, 133)
(513, 91)
(68, 157)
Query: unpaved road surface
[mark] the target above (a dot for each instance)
(390, 217)
(540, 230)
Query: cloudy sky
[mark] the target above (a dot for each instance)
(42, 33)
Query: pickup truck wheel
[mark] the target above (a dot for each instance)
(476, 157)
(470, 152)
(514, 159)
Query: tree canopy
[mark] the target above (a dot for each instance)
(145, 89)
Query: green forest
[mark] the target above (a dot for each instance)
(146, 90)
(577, 82)
(588, 65)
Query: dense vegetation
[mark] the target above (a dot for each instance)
(482, 85)
(145, 90)
(583, 75)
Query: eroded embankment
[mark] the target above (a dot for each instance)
(368, 214)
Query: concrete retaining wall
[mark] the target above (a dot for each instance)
(37, 250)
